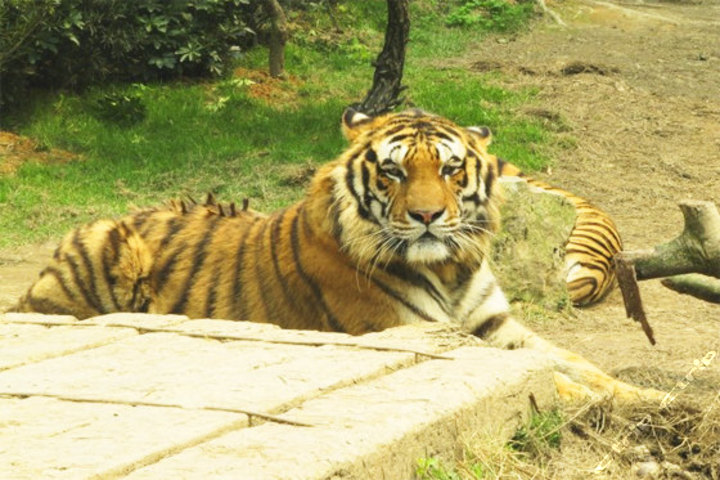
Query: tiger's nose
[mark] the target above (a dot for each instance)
(425, 216)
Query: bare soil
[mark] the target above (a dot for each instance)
(16, 149)
(635, 89)
(632, 90)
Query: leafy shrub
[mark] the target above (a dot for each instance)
(123, 109)
(74, 43)
(491, 15)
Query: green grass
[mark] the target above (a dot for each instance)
(168, 140)
(539, 437)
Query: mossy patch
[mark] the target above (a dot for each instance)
(528, 252)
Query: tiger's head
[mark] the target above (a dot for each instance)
(412, 187)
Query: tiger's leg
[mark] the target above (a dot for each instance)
(575, 377)
(98, 268)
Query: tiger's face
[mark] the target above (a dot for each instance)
(414, 187)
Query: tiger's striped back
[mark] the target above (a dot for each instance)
(591, 245)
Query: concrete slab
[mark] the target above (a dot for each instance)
(140, 321)
(170, 369)
(378, 429)
(23, 343)
(43, 438)
(147, 396)
(428, 338)
(34, 318)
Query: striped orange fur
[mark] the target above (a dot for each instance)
(395, 231)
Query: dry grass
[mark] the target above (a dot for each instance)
(604, 441)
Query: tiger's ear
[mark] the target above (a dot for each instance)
(353, 123)
(483, 134)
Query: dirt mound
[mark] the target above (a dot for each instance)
(16, 150)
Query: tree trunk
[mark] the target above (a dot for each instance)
(278, 37)
(386, 87)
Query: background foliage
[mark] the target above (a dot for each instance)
(75, 43)
(239, 135)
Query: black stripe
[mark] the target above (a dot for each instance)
(92, 288)
(491, 325)
(600, 267)
(260, 278)
(239, 268)
(419, 280)
(174, 225)
(500, 164)
(212, 291)
(474, 198)
(113, 241)
(274, 240)
(400, 137)
(395, 129)
(140, 218)
(210, 299)
(199, 256)
(393, 294)
(599, 248)
(368, 196)
(317, 293)
(77, 280)
(443, 135)
(349, 181)
(489, 181)
(337, 228)
(61, 280)
(162, 274)
(47, 306)
(598, 235)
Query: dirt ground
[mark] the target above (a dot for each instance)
(641, 103)
(632, 90)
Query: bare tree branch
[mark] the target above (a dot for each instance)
(695, 284)
(627, 281)
(695, 251)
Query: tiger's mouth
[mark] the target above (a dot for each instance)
(428, 236)
(427, 248)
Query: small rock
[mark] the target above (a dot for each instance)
(646, 469)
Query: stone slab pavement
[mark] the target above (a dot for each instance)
(137, 396)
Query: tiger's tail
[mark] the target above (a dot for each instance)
(591, 246)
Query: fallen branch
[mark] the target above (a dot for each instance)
(695, 284)
(695, 250)
(627, 281)
(689, 260)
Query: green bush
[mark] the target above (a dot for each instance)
(74, 43)
(492, 15)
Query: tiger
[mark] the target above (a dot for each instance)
(589, 249)
(395, 231)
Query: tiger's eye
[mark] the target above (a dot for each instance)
(449, 170)
(393, 173)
